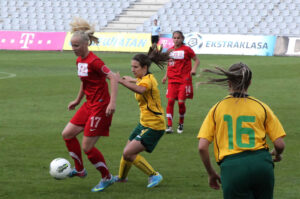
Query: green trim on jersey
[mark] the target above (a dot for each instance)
(151, 111)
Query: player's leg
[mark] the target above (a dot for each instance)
(97, 159)
(263, 175)
(146, 140)
(95, 156)
(182, 95)
(69, 135)
(123, 169)
(235, 184)
(126, 164)
(131, 154)
(253, 175)
(170, 113)
(97, 125)
(182, 109)
(171, 95)
(73, 128)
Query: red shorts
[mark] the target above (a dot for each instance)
(95, 121)
(180, 91)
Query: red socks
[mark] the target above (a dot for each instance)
(73, 146)
(97, 159)
(181, 106)
(170, 110)
(94, 155)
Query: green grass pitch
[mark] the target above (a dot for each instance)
(33, 112)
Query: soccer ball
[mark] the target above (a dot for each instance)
(60, 168)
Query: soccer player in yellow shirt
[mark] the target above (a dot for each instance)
(152, 123)
(238, 125)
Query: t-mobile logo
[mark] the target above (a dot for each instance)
(27, 38)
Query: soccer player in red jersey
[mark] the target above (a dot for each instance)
(179, 76)
(95, 115)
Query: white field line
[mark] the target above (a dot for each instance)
(7, 75)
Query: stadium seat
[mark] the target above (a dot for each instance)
(258, 16)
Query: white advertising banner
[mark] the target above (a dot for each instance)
(231, 44)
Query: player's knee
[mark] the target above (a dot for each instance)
(86, 148)
(127, 156)
(171, 102)
(66, 134)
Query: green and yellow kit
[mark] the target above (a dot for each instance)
(240, 124)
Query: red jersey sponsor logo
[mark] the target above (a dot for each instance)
(82, 69)
(177, 54)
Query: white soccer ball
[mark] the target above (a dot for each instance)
(60, 168)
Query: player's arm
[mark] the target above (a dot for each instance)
(196, 64)
(113, 93)
(78, 99)
(279, 146)
(213, 178)
(164, 79)
(128, 84)
(130, 79)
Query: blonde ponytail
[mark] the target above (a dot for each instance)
(82, 28)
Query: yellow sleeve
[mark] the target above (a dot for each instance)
(273, 126)
(145, 82)
(208, 127)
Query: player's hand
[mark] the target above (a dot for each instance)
(193, 72)
(214, 181)
(129, 79)
(111, 108)
(164, 79)
(72, 105)
(277, 157)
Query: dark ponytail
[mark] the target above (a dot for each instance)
(239, 75)
(154, 55)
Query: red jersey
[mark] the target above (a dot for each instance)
(180, 64)
(92, 72)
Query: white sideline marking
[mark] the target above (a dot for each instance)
(9, 75)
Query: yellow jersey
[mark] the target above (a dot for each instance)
(240, 124)
(151, 112)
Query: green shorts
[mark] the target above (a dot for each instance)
(248, 175)
(148, 137)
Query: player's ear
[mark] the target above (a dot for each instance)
(229, 84)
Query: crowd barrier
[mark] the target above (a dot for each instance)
(140, 42)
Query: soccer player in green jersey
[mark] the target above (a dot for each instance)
(238, 125)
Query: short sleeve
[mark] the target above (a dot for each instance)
(145, 82)
(100, 67)
(273, 126)
(208, 126)
(191, 52)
